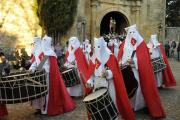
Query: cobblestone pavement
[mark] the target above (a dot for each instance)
(170, 99)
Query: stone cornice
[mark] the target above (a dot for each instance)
(122, 4)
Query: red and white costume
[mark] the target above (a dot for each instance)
(58, 100)
(116, 47)
(152, 45)
(111, 45)
(147, 92)
(37, 45)
(115, 84)
(87, 50)
(74, 44)
(166, 76)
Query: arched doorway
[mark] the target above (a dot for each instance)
(121, 22)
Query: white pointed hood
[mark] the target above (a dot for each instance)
(100, 56)
(74, 44)
(37, 44)
(86, 41)
(46, 45)
(133, 38)
(153, 42)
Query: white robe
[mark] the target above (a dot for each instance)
(79, 89)
(158, 76)
(87, 51)
(39, 103)
(116, 49)
(138, 101)
(104, 83)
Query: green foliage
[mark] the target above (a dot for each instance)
(56, 15)
(173, 13)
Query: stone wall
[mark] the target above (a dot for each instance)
(18, 25)
(172, 34)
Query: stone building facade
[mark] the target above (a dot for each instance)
(19, 24)
(146, 14)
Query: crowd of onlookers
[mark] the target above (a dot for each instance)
(20, 60)
(171, 49)
(5, 64)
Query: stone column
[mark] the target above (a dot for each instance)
(93, 20)
(136, 10)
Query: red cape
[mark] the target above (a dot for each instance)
(81, 63)
(3, 110)
(147, 80)
(122, 99)
(59, 98)
(31, 56)
(168, 77)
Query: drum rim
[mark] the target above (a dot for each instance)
(23, 74)
(24, 97)
(97, 97)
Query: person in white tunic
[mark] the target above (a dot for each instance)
(87, 49)
(101, 56)
(37, 45)
(138, 102)
(116, 47)
(155, 53)
(79, 89)
(40, 104)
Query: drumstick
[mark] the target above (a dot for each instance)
(68, 65)
(33, 81)
(126, 62)
(99, 79)
(84, 78)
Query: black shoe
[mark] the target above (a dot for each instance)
(160, 88)
(37, 112)
(72, 97)
(146, 110)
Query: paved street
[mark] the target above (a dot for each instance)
(170, 99)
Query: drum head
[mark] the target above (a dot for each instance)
(95, 94)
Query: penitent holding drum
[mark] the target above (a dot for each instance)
(109, 101)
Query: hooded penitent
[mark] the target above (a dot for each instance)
(153, 42)
(101, 56)
(37, 45)
(87, 50)
(168, 77)
(59, 100)
(74, 44)
(150, 93)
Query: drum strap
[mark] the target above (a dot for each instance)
(133, 54)
(107, 69)
(159, 51)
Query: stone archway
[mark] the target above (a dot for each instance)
(126, 15)
(121, 22)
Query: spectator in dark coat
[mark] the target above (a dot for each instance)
(1, 53)
(178, 51)
(58, 49)
(6, 67)
(167, 47)
(173, 46)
